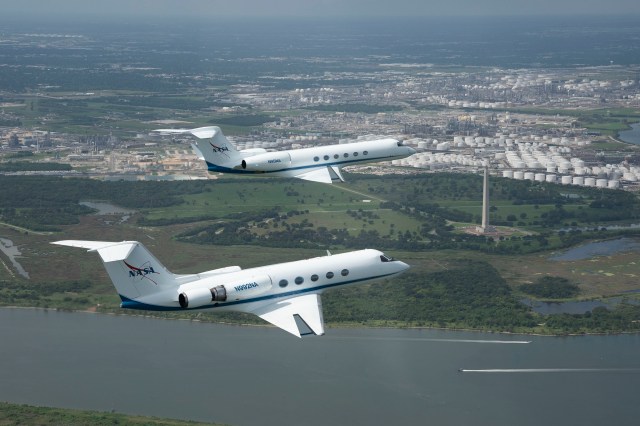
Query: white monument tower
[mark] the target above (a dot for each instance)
(485, 228)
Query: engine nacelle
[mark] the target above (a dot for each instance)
(196, 297)
(267, 162)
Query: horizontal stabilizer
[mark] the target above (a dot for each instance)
(199, 132)
(108, 251)
(89, 245)
(134, 271)
(283, 314)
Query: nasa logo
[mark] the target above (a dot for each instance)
(142, 272)
(220, 149)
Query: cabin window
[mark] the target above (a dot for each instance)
(329, 275)
(355, 154)
(283, 283)
(316, 158)
(365, 153)
(344, 272)
(314, 277)
(299, 280)
(346, 155)
(336, 156)
(326, 157)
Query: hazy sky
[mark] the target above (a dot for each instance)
(315, 8)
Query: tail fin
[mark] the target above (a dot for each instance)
(134, 271)
(219, 154)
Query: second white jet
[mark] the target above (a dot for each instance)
(318, 164)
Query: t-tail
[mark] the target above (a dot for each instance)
(134, 271)
(212, 146)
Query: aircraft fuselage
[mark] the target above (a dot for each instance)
(286, 280)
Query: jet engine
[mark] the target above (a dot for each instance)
(202, 295)
(267, 162)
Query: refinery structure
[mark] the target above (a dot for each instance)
(523, 123)
(541, 158)
(535, 158)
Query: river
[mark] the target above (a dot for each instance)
(632, 135)
(12, 252)
(598, 248)
(262, 376)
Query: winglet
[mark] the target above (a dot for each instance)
(336, 173)
(282, 314)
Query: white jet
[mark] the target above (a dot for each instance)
(318, 164)
(285, 294)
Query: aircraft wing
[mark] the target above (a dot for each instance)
(324, 174)
(285, 313)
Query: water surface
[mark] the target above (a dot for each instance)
(11, 251)
(632, 135)
(598, 248)
(263, 376)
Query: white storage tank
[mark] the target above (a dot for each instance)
(551, 178)
(518, 175)
(507, 174)
(578, 180)
(529, 175)
(590, 181)
(577, 162)
(566, 180)
(601, 183)
(551, 167)
(613, 184)
(540, 177)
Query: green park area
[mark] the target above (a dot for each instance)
(458, 279)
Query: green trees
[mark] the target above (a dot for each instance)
(470, 295)
(549, 287)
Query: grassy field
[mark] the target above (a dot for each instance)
(67, 278)
(231, 195)
(28, 415)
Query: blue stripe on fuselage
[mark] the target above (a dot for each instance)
(134, 304)
(215, 168)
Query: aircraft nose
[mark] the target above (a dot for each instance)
(411, 150)
(402, 266)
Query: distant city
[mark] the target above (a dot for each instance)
(90, 98)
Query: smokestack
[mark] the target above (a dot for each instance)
(485, 228)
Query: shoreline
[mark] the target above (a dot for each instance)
(328, 325)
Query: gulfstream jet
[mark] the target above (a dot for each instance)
(285, 294)
(318, 164)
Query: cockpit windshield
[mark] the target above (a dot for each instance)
(384, 258)
(400, 143)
